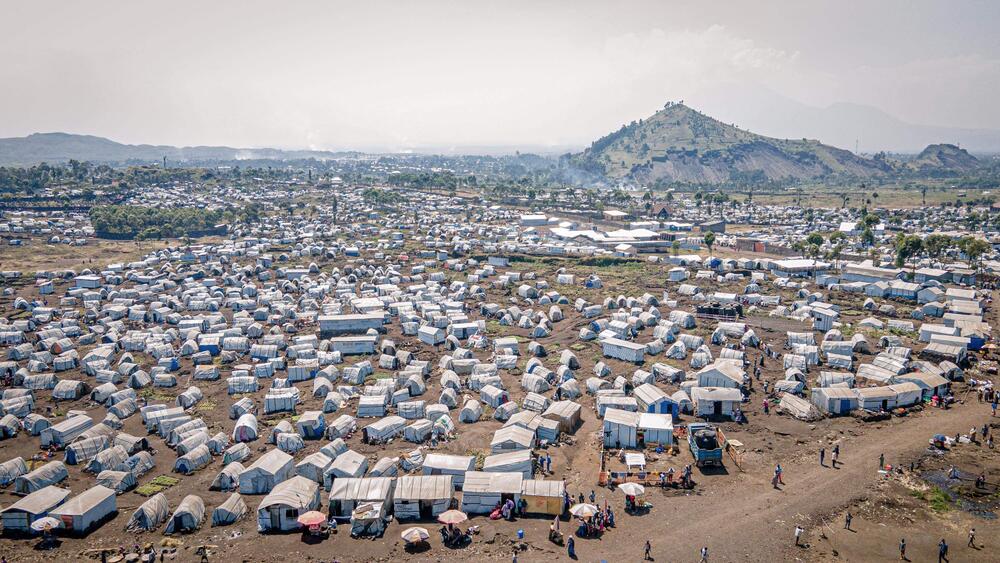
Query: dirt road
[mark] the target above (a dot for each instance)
(756, 522)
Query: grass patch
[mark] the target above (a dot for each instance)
(154, 394)
(937, 498)
(579, 346)
(206, 406)
(157, 485)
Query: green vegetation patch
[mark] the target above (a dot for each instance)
(157, 485)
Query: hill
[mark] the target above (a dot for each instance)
(679, 144)
(940, 158)
(62, 147)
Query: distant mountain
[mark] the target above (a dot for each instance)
(943, 158)
(62, 147)
(845, 125)
(679, 144)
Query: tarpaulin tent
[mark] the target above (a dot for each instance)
(189, 515)
(229, 511)
(150, 514)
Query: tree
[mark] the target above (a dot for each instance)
(870, 220)
(675, 248)
(837, 236)
(935, 245)
(907, 246)
(923, 194)
(709, 240)
(974, 249)
(834, 254)
(815, 239)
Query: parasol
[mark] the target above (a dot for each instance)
(414, 535)
(583, 510)
(452, 517)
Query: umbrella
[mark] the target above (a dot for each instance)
(583, 510)
(312, 518)
(634, 489)
(45, 524)
(452, 517)
(414, 535)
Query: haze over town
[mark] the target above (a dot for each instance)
(460, 76)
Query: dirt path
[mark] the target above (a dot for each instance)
(755, 522)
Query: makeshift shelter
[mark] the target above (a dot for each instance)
(188, 517)
(19, 516)
(87, 510)
(422, 497)
(230, 511)
(194, 460)
(266, 472)
(543, 496)
(445, 464)
(483, 491)
(280, 509)
(49, 474)
(519, 461)
(347, 493)
(715, 402)
(120, 481)
(150, 514)
(227, 479)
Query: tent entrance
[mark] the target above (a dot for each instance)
(426, 509)
(717, 408)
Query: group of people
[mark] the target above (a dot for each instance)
(667, 478)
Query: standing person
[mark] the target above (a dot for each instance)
(647, 556)
(881, 461)
(902, 549)
(548, 463)
(798, 535)
(836, 454)
(571, 548)
(972, 537)
(943, 551)
(704, 555)
(822, 456)
(847, 520)
(766, 409)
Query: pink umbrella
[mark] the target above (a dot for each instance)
(312, 518)
(452, 517)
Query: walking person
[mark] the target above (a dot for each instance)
(836, 455)
(902, 549)
(647, 556)
(972, 537)
(822, 457)
(798, 535)
(704, 555)
(881, 461)
(847, 520)
(778, 473)
(943, 551)
(571, 548)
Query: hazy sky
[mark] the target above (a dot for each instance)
(394, 75)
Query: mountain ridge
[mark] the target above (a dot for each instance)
(681, 144)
